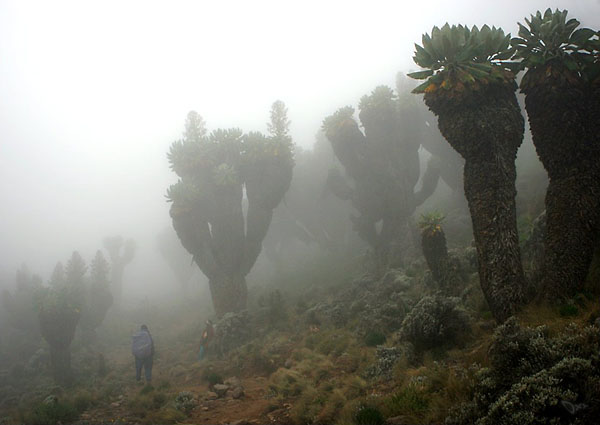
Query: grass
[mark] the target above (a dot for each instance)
(51, 413)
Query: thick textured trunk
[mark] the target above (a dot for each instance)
(436, 254)
(573, 214)
(563, 115)
(60, 358)
(490, 191)
(229, 293)
(486, 128)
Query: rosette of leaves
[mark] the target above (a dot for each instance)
(551, 39)
(470, 87)
(562, 98)
(457, 58)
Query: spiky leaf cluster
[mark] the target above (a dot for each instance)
(552, 38)
(456, 57)
(258, 148)
(338, 118)
(382, 96)
(431, 223)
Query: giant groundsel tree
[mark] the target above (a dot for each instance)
(121, 252)
(215, 172)
(562, 98)
(472, 92)
(383, 168)
(59, 313)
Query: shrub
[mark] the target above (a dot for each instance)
(434, 321)
(374, 338)
(368, 415)
(83, 401)
(50, 412)
(213, 378)
(147, 389)
(185, 402)
(568, 310)
(408, 401)
(531, 374)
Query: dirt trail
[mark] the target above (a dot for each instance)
(251, 408)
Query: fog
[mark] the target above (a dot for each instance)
(93, 93)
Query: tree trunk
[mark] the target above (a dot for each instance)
(436, 254)
(563, 115)
(229, 293)
(573, 214)
(60, 358)
(486, 127)
(490, 191)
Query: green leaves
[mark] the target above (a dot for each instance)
(453, 51)
(550, 37)
(421, 75)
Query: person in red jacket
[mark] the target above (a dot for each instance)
(207, 336)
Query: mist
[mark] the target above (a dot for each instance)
(95, 120)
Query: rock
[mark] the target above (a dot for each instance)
(205, 408)
(237, 392)
(233, 382)
(210, 395)
(115, 404)
(220, 389)
(288, 363)
(398, 420)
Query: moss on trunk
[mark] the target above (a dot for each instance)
(229, 293)
(486, 127)
(563, 115)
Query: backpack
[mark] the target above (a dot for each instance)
(141, 345)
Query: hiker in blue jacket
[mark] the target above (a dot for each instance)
(143, 350)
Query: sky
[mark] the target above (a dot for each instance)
(92, 93)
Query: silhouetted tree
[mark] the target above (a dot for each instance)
(59, 313)
(207, 202)
(473, 94)
(383, 165)
(98, 297)
(178, 259)
(20, 305)
(121, 253)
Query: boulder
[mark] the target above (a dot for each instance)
(220, 389)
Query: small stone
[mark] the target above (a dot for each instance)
(205, 408)
(237, 392)
(398, 420)
(115, 404)
(210, 395)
